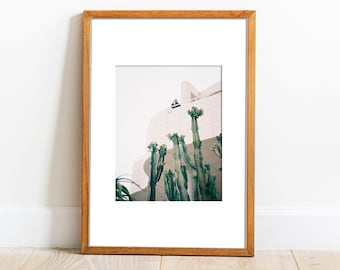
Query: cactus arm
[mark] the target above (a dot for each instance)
(178, 165)
(182, 191)
(211, 183)
(185, 176)
(186, 156)
(212, 188)
(156, 167)
(217, 147)
(160, 162)
(190, 169)
(217, 150)
(198, 156)
(171, 189)
(168, 185)
(153, 149)
(197, 196)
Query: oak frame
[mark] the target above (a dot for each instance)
(88, 15)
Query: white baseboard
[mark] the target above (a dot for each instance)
(297, 228)
(275, 228)
(40, 227)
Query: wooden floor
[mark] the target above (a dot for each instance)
(70, 259)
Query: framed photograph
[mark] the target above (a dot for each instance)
(161, 91)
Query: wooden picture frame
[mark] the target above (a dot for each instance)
(225, 41)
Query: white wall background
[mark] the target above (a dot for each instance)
(297, 119)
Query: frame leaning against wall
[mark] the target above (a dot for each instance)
(96, 212)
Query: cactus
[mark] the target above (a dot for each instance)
(191, 166)
(217, 147)
(171, 187)
(184, 150)
(156, 167)
(180, 176)
(211, 183)
(204, 184)
(176, 181)
(209, 180)
(195, 113)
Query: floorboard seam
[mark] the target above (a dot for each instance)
(295, 260)
(26, 259)
(160, 263)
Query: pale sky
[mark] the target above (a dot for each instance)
(141, 92)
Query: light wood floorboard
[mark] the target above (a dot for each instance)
(317, 260)
(68, 259)
(263, 260)
(14, 258)
(71, 259)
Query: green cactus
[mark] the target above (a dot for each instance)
(195, 113)
(217, 147)
(211, 183)
(186, 169)
(180, 176)
(171, 187)
(184, 150)
(204, 184)
(156, 167)
(191, 166)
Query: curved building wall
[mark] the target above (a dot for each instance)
(177, 120)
